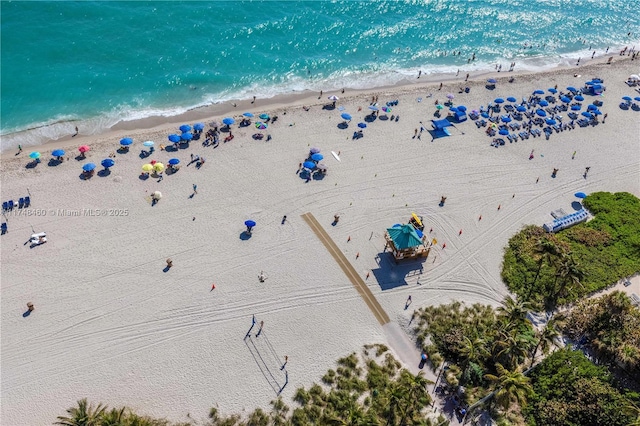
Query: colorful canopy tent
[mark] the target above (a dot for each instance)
(405, 243)
(440, 128)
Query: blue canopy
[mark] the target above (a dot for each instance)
(503, 132)
(248, 114)
(521, 108)
(579, 98)
(107, 162)
(317, 157)
(572, 89)
(309, 165)
(552, 90)
(174, 161)
(126, 141)
(596, 112)
(551, 122)
(58, 153)
(575, 107)
(538, 92)
(345, 116)
(511, 99)
(580, 195)
(404, 237)
(505, 119)
(440, 124)
(565, 99)
(543, 103)
(198, 126)
(228, 121)
(499, 101)
(185, 128)
(541, 113)
(627, 98)
(587, 114)
(592, 107)
(88, 167)
(174, 138)
(187, 136)
(491, 80)
(250, 223)
(462, 108)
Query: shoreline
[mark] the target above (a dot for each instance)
(298, 99)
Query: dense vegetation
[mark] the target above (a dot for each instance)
(569, 390)
(367, 390)
(550, 269)
(611, 326)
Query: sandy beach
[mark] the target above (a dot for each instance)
(110, 325)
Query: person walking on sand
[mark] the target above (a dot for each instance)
(30, 307)
(260, 329)
(336, 218)
(76, 133)
(586, 170)
(19, 149)
(573, 155)
(169, 263)
(604, 117)
(284, 219)
(408, 302)
(195, 188)
(531, 155)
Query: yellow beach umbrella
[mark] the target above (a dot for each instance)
(158, 167)
(147, 168)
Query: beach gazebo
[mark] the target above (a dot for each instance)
(405, 243)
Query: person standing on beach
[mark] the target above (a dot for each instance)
(195, 188)
(19, 149)
(604, 117)
(467, 77)
(573, 155)
(419, 73)
(586, 170)
(254, 100)
(76, 133)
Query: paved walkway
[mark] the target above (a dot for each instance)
(347, 268)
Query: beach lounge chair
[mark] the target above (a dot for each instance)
(11, 204)
(27, 201)
(21, 203)
(3, 228)
(5, 206)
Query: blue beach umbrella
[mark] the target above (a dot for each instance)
(174, 138)
(462, 108)
(576, 107)
(35, 155)
(185, 128)
(260, 125)
(126, 141)
(592, 107)
(541, 113)
(511, 99)
(505, 119)
(58, 153)
(198, 126)
(503, 132)
(637, 98)
(107, 162)
(317, 157)
(174, 161)
(88, 167)
(346, 116)
(148, 143)
(362, 125)
(248, 114)
(543, 103)
(521, 108)
(228, 121)
(250, 223)
(264, 116)
(309, 165)
(492, 80)
(499, 101)
(565, 99)
(580, 195)
(596, 112)
(627, 98)
(538, 92)
(587, 114)
(572, 89)
(484, 115)
(579, 98)
(186, 136)
(552, 90)
(551, 121)
(453, 109)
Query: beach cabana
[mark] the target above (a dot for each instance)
(405, 243)
(440, 128)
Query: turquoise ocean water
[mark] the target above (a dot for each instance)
(92, 64)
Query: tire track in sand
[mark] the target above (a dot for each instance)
(347, 268)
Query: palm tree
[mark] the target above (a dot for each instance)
(114, 417)
(546, 339)
(417, 396)
(513, 386)
(568, 272)
(511, 347)
(514, 312)
(397, 404)
(548, 251)
(472, 351)
(633, 410)
(83, 415)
